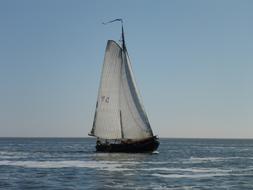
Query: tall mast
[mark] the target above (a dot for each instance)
(123, 37)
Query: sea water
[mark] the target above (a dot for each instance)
(72, 163)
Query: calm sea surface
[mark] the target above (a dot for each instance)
(64, 163)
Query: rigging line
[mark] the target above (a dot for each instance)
(121, 125)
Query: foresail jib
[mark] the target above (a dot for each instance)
(134, 93)
(135, 122)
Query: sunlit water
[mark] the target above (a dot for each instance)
(73, 164)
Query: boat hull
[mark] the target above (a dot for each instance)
(147, 145)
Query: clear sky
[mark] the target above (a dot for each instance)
(193, 63)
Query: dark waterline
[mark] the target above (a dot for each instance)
(72, 163)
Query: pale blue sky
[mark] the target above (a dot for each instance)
(193, 63)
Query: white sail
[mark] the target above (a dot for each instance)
(106, 123)
(135, 123)
(119, 111)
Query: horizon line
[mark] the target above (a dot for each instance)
(211, 138)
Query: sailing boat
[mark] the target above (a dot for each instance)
(120, 122)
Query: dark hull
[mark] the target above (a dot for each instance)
(147, 145)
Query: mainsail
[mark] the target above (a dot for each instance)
(119, 112)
